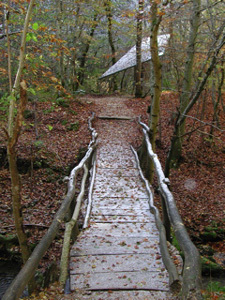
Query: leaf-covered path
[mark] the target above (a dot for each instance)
(118, 256)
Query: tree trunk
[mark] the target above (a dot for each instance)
(15, 178)
(138, 69)
(80, 77)
(187, 80)
(108, 10)
(15, 89)
(59, 4)
(8, 47)
(171, 161)
(155, 107)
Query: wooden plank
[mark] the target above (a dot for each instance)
(131, 172)
(121, 203)
(119, 218)
(125, 212)
(123, 295)
(122, 229)
(121, 280)
(116, 263)
(118, 191)
(101, 245)
(109, 163)
(121, 181)
(115, 117)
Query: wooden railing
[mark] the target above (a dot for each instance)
(17, 287)
(191, 273)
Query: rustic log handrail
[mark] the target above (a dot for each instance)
(174, 279)
(69, 229)
(89, 205)
(18, 285)
(191, 284)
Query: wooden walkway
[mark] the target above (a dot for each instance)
(118, 256)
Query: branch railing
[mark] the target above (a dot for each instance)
(191, 273)
(18, 285)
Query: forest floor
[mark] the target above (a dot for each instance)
(54, 138)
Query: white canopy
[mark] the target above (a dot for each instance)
(129, 59)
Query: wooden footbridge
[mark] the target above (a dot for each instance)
(122, 252)
(118, 255)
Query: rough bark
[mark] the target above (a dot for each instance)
(138, 69)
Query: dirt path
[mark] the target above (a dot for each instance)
(118, 256)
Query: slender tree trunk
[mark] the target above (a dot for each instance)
(109, 15)
(155, 107)
(19, 71)
(182, 117)
(59, 4)
(138, 69)
(14, 128)
(85, 52)
(216, 103)
(8, 46)
(187, 81)
(15, 177)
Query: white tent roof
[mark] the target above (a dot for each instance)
(129, 59)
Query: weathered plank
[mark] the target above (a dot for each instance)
(125, 212)
(155, 281)
(101, 245)
(122, 230)
(119, 218)
(117, 263)
(123, 295)
(109, 162)
(131, 172)
(115, 117)
(121, 203)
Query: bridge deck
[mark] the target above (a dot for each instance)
(118, 256)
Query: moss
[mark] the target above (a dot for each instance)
(209, 267)
(73, 126)
(209, 236)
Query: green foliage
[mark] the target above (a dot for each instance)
(210, 267)
(215, 286)
(50, 127)
(4, 105)
(49, 110)
(73, 126)
(38, 143)
(215, 290)
(31, 36)
(35, 26)
(62, 102)
(64, 122)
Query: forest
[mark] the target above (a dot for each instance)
(53, 56)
